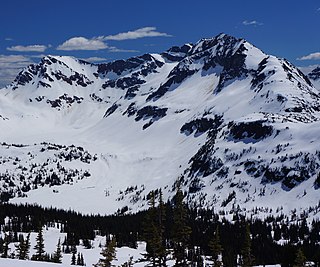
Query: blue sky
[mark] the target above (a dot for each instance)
(104, 30)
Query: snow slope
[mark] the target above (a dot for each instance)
(237, 127)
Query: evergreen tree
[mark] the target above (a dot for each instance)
(162, 252)
(5, 247)
(73, 258)
(181, 231)
(82, 260)
(78, 259)
(27, 246)
(215, 249)
(153, 232)
(57, 255)
(300, 260)
(108, 254)
(246, 254)
(39, 247)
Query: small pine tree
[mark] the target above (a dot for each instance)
(57, 255)
(108, 254)
(152, 231)
(300, 260)
(5, 247)
(27, 246)
(215, 249)
(20, 248)
(39, 247)
(246, 255)
(82, 263)
(181, 231)
(78, 259)
(73, 258)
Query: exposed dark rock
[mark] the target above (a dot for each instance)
(199, 126)
(120, 66)
(110, 110)
(315, 74)
(254, 130)
(152, 112)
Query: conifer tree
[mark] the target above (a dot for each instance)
(108, 254)
(246, 254)
(181, 231)
(73, 258)
(300, 260)
(152, 232)
(215, 248)
(27, 246)
(78, 259)
(162, 252)
(22, 249)
(39, 247)
(82, 260)
(5, 247)
(57, 255)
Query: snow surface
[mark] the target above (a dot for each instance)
(91, 256)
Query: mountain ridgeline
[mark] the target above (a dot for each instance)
(237, 128)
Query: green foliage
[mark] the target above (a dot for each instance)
(23, 248)
(108, 254)
(5, 247)
(57, 255)
(246, 253)
(215, 248)
(40, 254)
(181, 231)
(154, 231)
(300, 260)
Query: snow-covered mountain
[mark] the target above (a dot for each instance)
(238, 128)
(314, 76)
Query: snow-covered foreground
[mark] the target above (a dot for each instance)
(91, 256)
(19, 263)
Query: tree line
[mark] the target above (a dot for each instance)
(172, 230)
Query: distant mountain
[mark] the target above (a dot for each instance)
(238, 128)
(314, 76)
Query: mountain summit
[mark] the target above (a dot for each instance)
(238, 128)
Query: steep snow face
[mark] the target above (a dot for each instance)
(237, 127)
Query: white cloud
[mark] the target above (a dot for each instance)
(94, 59)
(28, 48)
(10, 66)
(8, 39)
(118, 50)
(312, 56)
(136, 34)
(251, 23)
(82, 43)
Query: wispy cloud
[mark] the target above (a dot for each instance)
(82, 43)
(10, 65)
(251, 23)
(312, 56)
(8, 39)
(28, 48)
(119, 50)
(136, 34)
(95, 59)
(318, 9)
